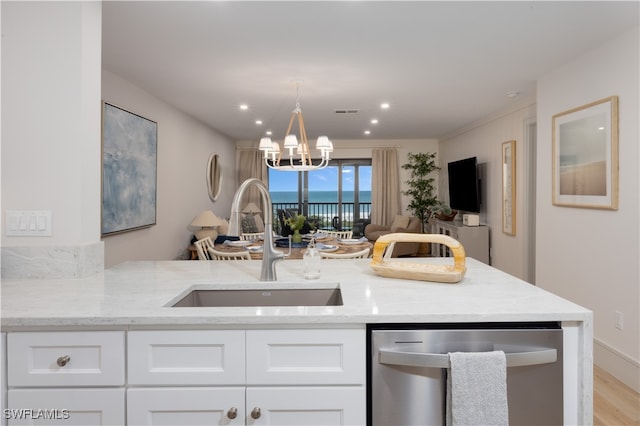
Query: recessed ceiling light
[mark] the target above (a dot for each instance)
(385, 105)
(374, 121)
(367, 132)
(244, 107)
(269, 132)
(258, 122)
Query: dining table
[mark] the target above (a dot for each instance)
(328, 244)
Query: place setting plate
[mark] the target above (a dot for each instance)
(239, 243)
(351, 241)
(326, 247)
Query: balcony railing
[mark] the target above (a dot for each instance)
(324, 213)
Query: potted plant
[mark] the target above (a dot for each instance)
(296, 223)
(443, 211)
(421, 187)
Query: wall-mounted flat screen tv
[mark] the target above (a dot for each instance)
(464, 185)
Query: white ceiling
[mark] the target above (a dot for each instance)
(441, 65)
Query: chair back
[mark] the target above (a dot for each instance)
(229, 255)
(339, 234)
(362, 254)
(202, 247)
(252, 236)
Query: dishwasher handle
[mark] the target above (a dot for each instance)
(431, 360)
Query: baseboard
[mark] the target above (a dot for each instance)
(618, 364)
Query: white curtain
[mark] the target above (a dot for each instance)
(251, 165)
(385, 186)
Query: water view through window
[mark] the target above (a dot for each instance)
(335, 197)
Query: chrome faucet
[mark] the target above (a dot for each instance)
(269, 255)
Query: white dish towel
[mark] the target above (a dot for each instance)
(477, 389)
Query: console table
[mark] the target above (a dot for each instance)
(475, 239)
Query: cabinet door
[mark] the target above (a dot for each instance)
(295, 406)
(65, 406)
(186, 406)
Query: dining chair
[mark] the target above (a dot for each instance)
(229, 255)
(339, 234)
(202, 247)
(362, 254)
(252, 236)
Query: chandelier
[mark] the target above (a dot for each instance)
(300, 161)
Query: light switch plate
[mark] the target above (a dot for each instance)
(28, 223)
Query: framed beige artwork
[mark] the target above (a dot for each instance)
(509, 187)
(585, 156)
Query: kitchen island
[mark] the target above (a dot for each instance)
(133, 301)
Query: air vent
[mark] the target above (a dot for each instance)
(347, 111)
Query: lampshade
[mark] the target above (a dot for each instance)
(266, 144)
(323, 142)
(207, 222)
(290, 141)
(251, 208)
(206, 219)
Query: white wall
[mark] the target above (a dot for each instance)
(585, 255)
(184, 146)
(51, 87)
(484, 140)
(351, 149)
(51, 56)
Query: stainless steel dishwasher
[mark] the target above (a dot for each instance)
(407, 370)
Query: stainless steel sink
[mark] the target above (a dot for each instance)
(261, 297)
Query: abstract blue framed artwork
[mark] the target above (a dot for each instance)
(129, 170)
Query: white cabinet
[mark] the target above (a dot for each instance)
(187, 377)
(324, 371)
(474, 239)
(70, 378)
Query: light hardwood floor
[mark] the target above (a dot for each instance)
(614, 403)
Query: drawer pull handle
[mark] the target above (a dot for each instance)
(232, 413)
(63, 360)
(255, 413)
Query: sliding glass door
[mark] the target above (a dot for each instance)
(336, 196)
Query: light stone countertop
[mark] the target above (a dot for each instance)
(136, 294)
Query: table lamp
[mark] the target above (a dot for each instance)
(207, 221)
(251, 208)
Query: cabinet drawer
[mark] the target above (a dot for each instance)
(186, 357)
(321, 357)
(66, 359)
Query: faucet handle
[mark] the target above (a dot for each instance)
(289, 252)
